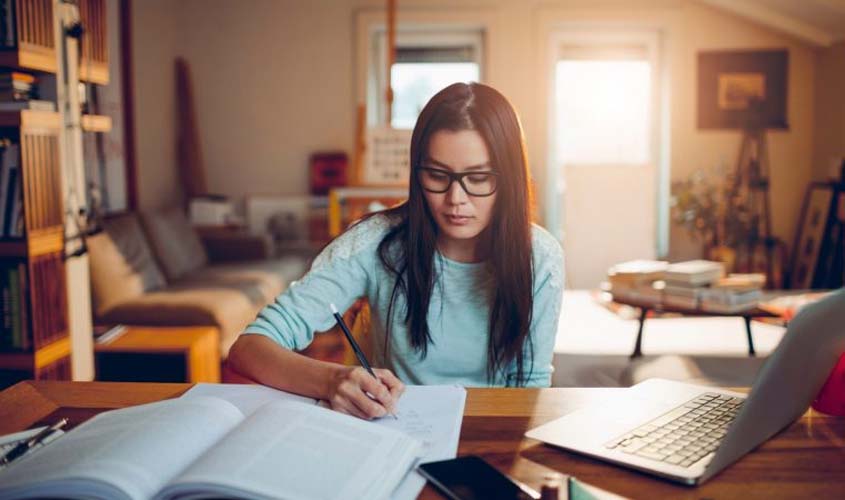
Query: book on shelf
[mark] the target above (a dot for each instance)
(9, 77)
(9, 195)
(206, 447)
(7, 23)
(33, 104)
(14, 331)
(694, 272)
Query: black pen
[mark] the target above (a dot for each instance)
(358, 352)
(26, 445)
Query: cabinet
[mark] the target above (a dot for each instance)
(93, 53)
(37, 335)
(35, 342)
(29, 41)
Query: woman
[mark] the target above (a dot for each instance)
(462, 288)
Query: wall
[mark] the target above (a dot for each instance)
(154, 48)
(830, 110)
(790, 151)
(275, 81)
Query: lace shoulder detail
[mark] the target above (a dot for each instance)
(358, 238)
(548, 257)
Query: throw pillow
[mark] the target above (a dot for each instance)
(174, 242)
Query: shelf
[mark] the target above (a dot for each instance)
(30, 361)
(31, 119)
(96, 123)
(37, 242)
(95, 72)
(30, 57)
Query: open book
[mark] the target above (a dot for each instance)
(205, 447)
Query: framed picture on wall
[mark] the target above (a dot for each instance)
(811, 229)
(742, 88)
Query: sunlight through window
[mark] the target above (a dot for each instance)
(414, 84)
(603, 112)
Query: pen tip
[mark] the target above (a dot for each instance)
(334, 309)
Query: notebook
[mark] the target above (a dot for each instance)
(205, 447)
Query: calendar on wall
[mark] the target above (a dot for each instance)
(387, 157)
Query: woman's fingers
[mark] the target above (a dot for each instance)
(394, 385)
(360, 394)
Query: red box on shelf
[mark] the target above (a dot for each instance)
(328, 170)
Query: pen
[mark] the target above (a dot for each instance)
(27, 445)
(358, 352)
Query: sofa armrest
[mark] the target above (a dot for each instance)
(232, 245)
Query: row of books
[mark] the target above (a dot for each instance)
(14, 289)
(7, 23)
(696, 284)
(33, 302)
(11, 200)
(20, 91)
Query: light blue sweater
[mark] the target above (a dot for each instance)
(458, 314)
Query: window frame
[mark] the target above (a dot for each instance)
(435, 37)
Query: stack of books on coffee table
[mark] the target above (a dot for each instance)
(695, 284)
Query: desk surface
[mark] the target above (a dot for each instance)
(806, 460)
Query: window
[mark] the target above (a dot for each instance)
(603, 100)
(425, 63)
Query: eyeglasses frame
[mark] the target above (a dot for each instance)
(459, 176)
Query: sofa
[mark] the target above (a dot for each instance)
(153, 269)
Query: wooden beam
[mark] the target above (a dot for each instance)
(767, 17)
(128, 93)
(391, 56)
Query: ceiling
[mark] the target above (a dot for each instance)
(820, 22)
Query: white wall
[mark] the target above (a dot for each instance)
(276, 80)
(154, 47)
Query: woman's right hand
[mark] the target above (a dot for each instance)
(351, 388)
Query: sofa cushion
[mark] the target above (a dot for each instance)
(121, 264)
(227, 308)
(174, 242)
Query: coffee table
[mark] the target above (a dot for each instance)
(646, 305)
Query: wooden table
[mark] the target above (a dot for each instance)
(645, 306)
(807, 460)
(177, 353)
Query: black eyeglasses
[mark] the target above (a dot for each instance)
(475, 183)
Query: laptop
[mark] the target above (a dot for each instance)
(688, 433)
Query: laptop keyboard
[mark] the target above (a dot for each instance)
(685, 435)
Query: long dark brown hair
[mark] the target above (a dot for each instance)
(471, 106)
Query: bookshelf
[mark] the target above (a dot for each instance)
(35, 333)
(32, 44)
(34, 342)
(96, 123)
(94, 56)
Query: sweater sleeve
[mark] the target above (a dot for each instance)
(545, 318)
(339, 275)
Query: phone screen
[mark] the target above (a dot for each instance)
(470, 478)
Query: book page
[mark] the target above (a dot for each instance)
(128, 453)
(290, 450)
(246, 397)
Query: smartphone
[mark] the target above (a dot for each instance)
(471, 478)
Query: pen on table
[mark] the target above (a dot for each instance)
(358, 352)
(26, 445)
